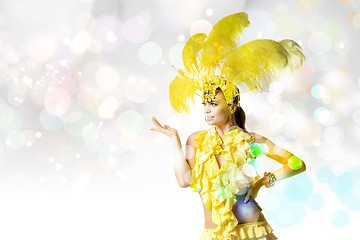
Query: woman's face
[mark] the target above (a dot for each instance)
(217, 112)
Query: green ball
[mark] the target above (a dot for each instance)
(295, 163)
(257, 149)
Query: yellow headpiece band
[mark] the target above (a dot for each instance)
(217, 61)
(209, 85)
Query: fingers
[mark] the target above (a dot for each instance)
(157, 124)
(163, 129)
(247, 198)
(248, 195)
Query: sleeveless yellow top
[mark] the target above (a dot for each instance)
(218, 186)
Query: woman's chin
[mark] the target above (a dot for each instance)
(210, 123)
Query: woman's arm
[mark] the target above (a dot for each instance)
(291, 164)
(182, 164)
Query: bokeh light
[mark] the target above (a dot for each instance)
(29, 137)
(137, 29)
(84, 21)
(89, 97)
(107, 78)
(50, 122)
(91, 133)
(334, 134)
(200, 26)
(209, 12)
(316, 201)
(15, 140)
(342, 47)
(6, 116)
(288, 213)
(181, 38)
(249, 170)
(324, 116)
(340, 219)
(75, 122)
(276, 121)
(57, 101)
(130, 123)
(16, 97)
(276, 88)
(175, 54)
(150, 53)
(299, 190)
(342, 184)
(309, 132)
(295, 163)
(324, 174)
(81, 42)
(139, 89)
(356, 20)
(108, 107)
(318, 91)
(356, 116)
(41, 49)
(319, 42)
(107, 34)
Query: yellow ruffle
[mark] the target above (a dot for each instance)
(257, 230)
(218, 186)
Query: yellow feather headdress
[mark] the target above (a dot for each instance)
(217, 61)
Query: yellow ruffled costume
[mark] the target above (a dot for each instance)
(218, 186)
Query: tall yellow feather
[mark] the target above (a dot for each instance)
(191, 52)
(296, 58)
(258, 62)
(224, 39)
(182, 92)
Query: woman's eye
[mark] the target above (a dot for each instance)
(212, 104)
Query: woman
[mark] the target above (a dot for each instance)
(219, 162)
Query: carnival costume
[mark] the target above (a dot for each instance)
(218, 62)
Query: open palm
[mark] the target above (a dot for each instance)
(169, 131)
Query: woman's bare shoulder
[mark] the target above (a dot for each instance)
(192, 136)
(257, 137)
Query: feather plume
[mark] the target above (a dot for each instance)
(296, 57)
(190, 53)
(224, 38)
(258, 62)
(217, 60)
(182, 92)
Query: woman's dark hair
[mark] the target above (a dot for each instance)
(240, 116)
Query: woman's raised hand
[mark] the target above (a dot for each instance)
(169, 131)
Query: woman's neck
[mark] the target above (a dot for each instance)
(224, 128)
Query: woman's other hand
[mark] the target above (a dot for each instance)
(254, 189)
(168, 131)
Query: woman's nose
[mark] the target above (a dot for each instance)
(207, 108)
